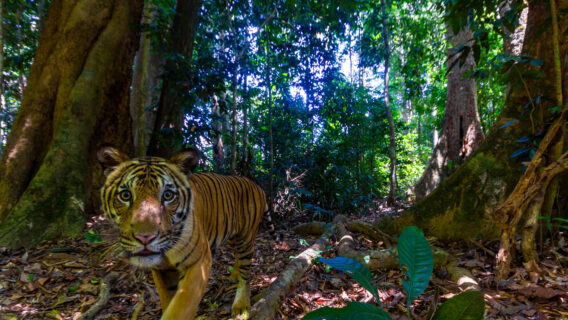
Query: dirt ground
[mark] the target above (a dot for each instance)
(64, 279)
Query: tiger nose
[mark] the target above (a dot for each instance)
(145, 239)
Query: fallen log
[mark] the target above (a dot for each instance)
(272, 296)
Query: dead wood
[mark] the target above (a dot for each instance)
(104, 296)
(310, 229)
(271, 300)
(371, 232)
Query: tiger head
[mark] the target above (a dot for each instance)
(150, 200)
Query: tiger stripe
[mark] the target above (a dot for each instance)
(175, 237)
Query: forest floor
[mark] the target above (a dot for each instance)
(63, 279)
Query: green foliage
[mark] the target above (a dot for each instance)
(93, 237)
(467, 305)
(356, 271)
(416, 262)
(353, 310)
(320, 63)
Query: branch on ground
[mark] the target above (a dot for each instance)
(104, 297)
(272, 296)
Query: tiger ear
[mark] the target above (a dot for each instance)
(186, 160)
(110, 157)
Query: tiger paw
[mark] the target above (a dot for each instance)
(241, 305)
(241, 315)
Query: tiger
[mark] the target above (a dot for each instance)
(170, 220)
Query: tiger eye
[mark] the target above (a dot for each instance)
(168, 195)
(125, 195)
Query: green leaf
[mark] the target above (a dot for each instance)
(467, 305)
(416, 262)
(74, 288)
(353, 310)
(355, 270)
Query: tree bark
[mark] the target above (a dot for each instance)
(167, 138)
(234, 124)
(218, 148)
(461, 131)
(76, 99)
(144, 83)
(462, 206)
(392, 142)
(1, 76)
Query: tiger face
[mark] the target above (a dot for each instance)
(150, 200)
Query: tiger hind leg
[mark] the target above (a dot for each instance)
(243, 250)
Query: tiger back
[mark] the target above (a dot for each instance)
(170, 219)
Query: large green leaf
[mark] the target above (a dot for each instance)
(467, 305)
(355, 270)
(416, 261)
(353, 310)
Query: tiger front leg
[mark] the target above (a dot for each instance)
(241, 275)
(190, 290)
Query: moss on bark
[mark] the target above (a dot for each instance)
(89, 106)
(462, 207)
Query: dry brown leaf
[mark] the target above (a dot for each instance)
(541, 292)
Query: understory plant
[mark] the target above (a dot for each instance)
(416, 263)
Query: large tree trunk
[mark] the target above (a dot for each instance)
(461, 130)
(167, 137)
(144, 83)
(462, 206)
(76, 99)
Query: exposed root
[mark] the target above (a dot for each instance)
(104, 296)
(310, 229)
(371, 232)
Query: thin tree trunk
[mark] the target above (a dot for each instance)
(76, 99)
(270, 137)
(167, 138)
(218, 148)
(21, 84)
(392, 142)
(41, 15)
(1, 76)
(461, 130)
(234, 124)
(245, 129)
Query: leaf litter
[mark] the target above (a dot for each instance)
(62, 279)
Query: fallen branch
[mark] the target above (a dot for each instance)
(272, 296)
(104, 297)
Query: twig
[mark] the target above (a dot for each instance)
(139, 305)
(104, 297)
(482, 247)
